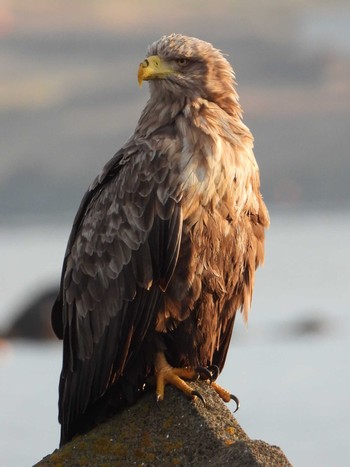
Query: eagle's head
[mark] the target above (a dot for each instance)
(178, 66)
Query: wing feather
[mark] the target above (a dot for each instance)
(123, 247)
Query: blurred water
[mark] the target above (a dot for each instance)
(294, 386)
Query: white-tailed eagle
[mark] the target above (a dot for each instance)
(165, 244)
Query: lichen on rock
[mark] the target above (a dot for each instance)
(179, 432)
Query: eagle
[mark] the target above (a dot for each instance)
(165, 244)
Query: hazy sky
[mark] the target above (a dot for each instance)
(69, 96)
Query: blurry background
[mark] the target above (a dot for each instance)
(69, 99)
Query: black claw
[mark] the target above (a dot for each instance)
(199, 395)
(234, 398)
(214, 370)
(204, 373)
(157, 401)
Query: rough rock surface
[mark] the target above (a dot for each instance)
(180, 432)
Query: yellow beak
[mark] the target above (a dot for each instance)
(153, 68)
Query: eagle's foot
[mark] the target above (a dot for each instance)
(166, 374)
(211, 373)
(225, 395)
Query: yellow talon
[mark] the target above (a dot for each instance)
(166, 374)
(225, 395)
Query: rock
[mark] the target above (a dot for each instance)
(33, 321)
(178, 432)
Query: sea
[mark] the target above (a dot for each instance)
(290, 365)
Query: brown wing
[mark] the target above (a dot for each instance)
(123, 247)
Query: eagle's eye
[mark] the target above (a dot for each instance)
(182, 61)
